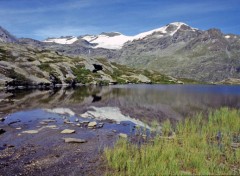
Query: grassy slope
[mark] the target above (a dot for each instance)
(194, 146)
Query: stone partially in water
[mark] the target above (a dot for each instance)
(68, 122)
(74, 140)
(30, 131)
(67, 131)
(2, 119)
(100, 125)
(92, 124)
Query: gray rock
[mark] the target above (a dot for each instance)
(67, 131)
(74, 140)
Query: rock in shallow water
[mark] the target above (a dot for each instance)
(67, 131)
(92, 124)
(74, 140)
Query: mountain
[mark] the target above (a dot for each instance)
(5, 36)
(176, 49)
(208, 56)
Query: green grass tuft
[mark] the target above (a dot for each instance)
(195, 146)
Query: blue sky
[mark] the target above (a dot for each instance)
(40, 19)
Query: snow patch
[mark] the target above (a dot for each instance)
(62, 40)
(227, 36)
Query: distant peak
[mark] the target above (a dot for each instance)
(178, 23)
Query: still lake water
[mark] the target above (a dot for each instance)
(143, 102)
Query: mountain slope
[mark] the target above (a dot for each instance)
(35, 67)
(5, 36)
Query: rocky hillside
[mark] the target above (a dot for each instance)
(209, 56)
(6, 37)
(31, 66)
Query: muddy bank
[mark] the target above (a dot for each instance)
(36, 146)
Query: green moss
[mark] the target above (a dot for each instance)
(45, 67)
(82, 74)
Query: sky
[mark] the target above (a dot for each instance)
(39, 19)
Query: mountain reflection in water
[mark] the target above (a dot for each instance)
(145, 102)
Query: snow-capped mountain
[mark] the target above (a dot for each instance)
(116, 40)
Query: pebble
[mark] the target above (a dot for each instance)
(67, 131)
(76, 120)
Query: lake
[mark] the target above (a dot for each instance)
(143, 102)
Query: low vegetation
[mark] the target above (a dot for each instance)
(201, 146)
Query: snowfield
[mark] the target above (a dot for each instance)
(116, 41)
